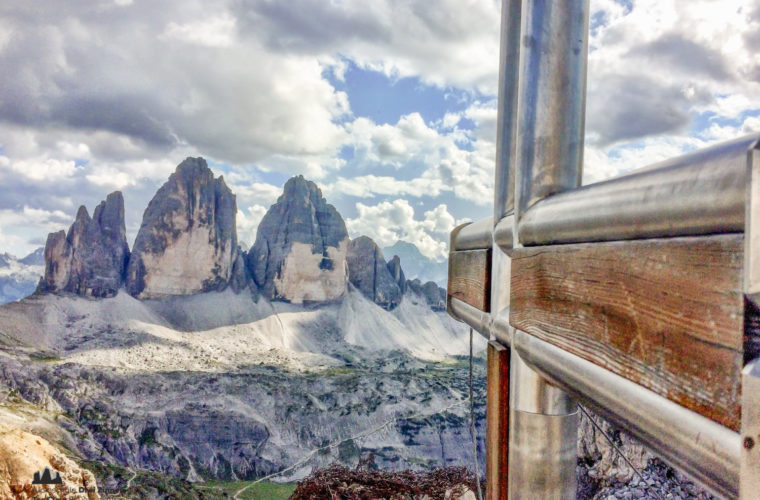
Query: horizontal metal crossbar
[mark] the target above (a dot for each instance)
(706, 451)
(704, 192)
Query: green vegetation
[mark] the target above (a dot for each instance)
(148, 436)
(149, 484)
(256, 491)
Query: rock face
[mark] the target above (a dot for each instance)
(434, 295)
(368, 272)
(22, 455)
(300, 249)
(394, 267)
(91, 259)
(417, 265)
(187, 242)
(240, 277)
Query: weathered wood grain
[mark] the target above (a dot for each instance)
(497, 421)
(665, 313)
(470, 277)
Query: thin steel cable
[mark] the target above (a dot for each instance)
(614, 447)
(472, 428)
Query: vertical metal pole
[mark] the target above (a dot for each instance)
(506, 123)
(509, 64)
(552, 99)
(497, 411)
(543, 436)
(497, 421)
(543, 420)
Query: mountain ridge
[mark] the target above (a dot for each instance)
(19, 277)
(187, 244)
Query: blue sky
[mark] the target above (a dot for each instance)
(389, 106)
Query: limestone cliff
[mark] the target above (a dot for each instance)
(300, 249)
(187, 242)
(369, 272)
(434, 295)
(91, 259)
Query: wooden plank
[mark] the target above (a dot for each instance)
(665, 313)
(497, 421)
(470, 277)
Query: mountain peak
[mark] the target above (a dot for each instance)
(91, 258)
(300, 248)
(193, 167)
(187, 241)
(369, 273)
(35, 258)
(416, 265)
(82, 215)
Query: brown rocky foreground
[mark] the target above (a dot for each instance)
(23, 454)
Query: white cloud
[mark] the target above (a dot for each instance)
(24, 229)
(368, 186)
(439, 220)
(247, 223)
(655, 67)
(217, 31)
(45, 169)
(254, 193)
(433, 158)
(388, 222)
(453, 44)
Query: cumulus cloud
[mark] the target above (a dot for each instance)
(248, 221)
(451, 44)
(369, 186)
(215, 32)
(391, 221)
(655, 66)
(112, 95)
(163, 78)
(430, 161)
(14, 223)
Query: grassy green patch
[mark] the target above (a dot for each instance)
(256, 491)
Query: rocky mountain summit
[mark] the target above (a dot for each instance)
(187, 242)
(300, 249)
(91, 258)
(371, 274)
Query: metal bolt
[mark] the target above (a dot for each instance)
(748, 443)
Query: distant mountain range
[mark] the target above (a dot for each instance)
(19, 277)
(417, 265)
(189, 355)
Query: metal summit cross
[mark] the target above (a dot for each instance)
(637, 296)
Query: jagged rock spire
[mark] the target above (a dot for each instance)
(91, 259)
(369, 273)
(187, 242)
(300, 249)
